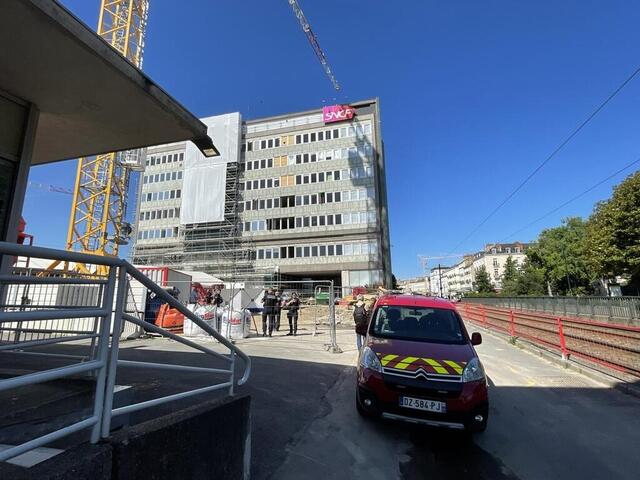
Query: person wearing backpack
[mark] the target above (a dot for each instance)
(361, 319)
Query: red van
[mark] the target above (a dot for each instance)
(418, 365)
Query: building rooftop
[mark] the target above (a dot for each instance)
(91, 99)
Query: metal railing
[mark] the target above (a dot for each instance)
(102, 322)
(608, 347)
(615, 309)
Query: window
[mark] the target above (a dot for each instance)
(336, 175)
(320, 136)
(263, 164)
(338, 219)
(336, 197)
(307, 251)
(314, 251)
(336, 133)
(418, 323)
(314, 178)
(305, 138)
(322, 220)
(298, 252)
(321, 177)
(270, 143)
(298, 139)
(339, 250)
(249, 147)
(263, 144)
(323, 250)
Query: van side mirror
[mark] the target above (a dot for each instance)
(476, 338)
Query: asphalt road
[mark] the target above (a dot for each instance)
(545, 421)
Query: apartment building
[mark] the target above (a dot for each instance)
(415, 285)
(495, 256)
(299, 196)
(438, 281)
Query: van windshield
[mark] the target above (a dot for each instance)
(418, 323)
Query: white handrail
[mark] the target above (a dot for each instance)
(104, 361)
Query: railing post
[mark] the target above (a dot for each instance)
(113, 352)
(563, 343)
(332, 321)
(102, 354)
(233, 370)
(512, 324)
(484, 314)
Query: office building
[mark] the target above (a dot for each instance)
(295, 196)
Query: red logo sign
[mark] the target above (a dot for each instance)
(337, 113)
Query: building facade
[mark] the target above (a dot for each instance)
(438, 281)
(415, 285)
(494, 257)
(303, 197)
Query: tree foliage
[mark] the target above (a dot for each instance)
(561, 254)
(613, 233)
(482, 283)
(510, 277)
(530, 280)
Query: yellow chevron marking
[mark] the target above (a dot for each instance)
(387, 358)
(405, 362)
(436, 366)
(454, 365)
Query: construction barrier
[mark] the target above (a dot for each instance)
(609, 347)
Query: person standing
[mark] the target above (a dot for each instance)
(278, 311)
(361, 319)
(268, 311)
(292, 314)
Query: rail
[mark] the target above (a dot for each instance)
(609, 347)
(624, 310)
(103, 310)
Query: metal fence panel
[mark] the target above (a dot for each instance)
(625, 310)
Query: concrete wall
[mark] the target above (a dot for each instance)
(209, 440)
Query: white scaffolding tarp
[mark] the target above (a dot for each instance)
(203, 191)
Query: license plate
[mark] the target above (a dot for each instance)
(422, 404)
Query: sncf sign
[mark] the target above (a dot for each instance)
(337, 113)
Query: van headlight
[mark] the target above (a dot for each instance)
(369, 360)
(473, 371)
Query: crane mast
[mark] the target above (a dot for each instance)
(99, 203)
(306, 28)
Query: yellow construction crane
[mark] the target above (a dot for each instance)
(97, 224)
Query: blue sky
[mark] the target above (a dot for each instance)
(473, 95)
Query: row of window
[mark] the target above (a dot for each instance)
(162, 159)
(162, 177)
(167, 195)
(160, 214)
(156, 233)
(291, 223)
(320, 177)
(311, 199)
(301, 158)
(322, 250)
(356, 129)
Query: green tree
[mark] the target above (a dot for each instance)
(530, 280)
(561, 254)
(482, 283)
(510, 277)
(613, 233)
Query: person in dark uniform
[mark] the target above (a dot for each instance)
(278, 311)
(217, 297)
(292, 314)
(268, 311)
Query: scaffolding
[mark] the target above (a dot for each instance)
(216, 248)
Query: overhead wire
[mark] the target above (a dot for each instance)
(550, 156)
(572, 199)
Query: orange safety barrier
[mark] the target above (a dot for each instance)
(169, 319)
(612, 346)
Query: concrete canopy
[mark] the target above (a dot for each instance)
(91, 99)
